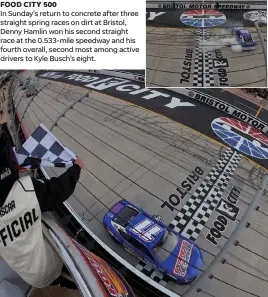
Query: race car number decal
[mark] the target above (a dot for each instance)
(183, 259)
(146, 230)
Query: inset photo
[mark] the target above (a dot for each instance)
(208, 45)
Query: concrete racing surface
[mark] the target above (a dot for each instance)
(139, 155)
(196, 54)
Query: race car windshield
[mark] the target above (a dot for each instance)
(126, 215)
(164, 251)
(247, 38)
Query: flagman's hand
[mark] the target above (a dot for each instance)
(80, 163)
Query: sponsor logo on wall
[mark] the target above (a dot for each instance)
(227, 108)
(174, 5)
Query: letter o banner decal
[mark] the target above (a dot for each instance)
(241, 136)
(203, 18)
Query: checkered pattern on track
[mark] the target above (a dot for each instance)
(151, 272)
(198, 221)
(198, 63)
(199, 207)
(197, 210)
(203, 68)
(208, 70)
(208, 76)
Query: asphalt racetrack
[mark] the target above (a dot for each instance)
(186, 50)
(139, 147)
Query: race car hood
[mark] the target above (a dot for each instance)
(143, 234)
(184, 262)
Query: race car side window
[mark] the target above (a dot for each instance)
(140, 247)
(124, 234)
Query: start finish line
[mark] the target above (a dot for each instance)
(215, 5)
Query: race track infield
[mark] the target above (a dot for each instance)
(159, 164)
(196, 54)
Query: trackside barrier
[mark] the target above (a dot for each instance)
(225, 107)
(131, 76)
(198, 5)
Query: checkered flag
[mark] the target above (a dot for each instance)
(42, 149)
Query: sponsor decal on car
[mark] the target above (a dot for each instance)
(182, 263)
(146, 230)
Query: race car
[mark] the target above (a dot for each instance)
(244, 38)
(149, 239)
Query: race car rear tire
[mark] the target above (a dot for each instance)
(158, 218)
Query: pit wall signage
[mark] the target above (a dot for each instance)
(179, 5)
(227, 108)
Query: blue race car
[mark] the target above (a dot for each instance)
(150, 240)
(244, 38)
